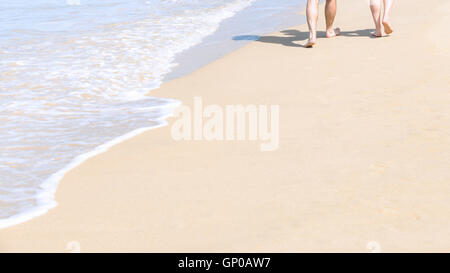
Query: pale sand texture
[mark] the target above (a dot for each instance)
(364, 153)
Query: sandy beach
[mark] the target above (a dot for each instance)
(362, 164)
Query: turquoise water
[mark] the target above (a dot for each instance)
(74, 75)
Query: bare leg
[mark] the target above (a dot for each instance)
(386, 17)
(330, 14)
(375, 7)
(312, 15)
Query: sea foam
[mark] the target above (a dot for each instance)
(74, 77)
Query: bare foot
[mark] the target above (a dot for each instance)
(333, 33)
(310, 43)
(387, 27)
(376, 34)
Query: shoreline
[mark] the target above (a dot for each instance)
(343, 176)
(219, 44)
(45, 196)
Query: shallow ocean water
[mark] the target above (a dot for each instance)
(74, 75)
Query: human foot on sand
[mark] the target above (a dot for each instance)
(376, 33)
(333, 32)
(376, 9)
(310, 43)
(312, 15)
(387, 27)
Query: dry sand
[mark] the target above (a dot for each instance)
(364, 153)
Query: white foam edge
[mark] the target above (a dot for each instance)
(46, 196)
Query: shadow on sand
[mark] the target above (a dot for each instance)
(292, 36)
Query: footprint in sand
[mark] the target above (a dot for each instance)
(379, 167)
